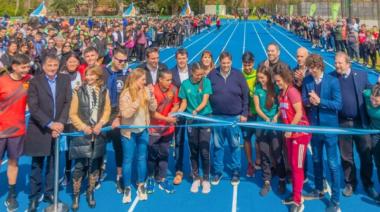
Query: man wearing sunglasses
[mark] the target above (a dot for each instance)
(115, 76)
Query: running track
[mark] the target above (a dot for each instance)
(236, 38)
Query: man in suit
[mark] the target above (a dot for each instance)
(354, 115)
(49, 99)
(322, 99)
(181, 72)
(152, 65)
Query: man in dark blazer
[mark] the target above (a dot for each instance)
(181, 72)
(49, 98)
(354, 115)
(322, 99)
(152, 65)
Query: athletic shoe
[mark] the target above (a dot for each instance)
(127, 195)
(150, 184)
(235, 179)
(297, 208)
(141, 192)
(206, 187)
(119, 185)
(166, 186)
(314, 195)
(348, 190)
(265, 189)
(371, 192)
(195, 186)
(11, 204)
(216, 179)
(250, 170)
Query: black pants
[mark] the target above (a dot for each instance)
(363, 145)
(376, 153)
(115, 136)
(270, 146)
(180, 133)
(36, 176)
(140, 52)
(81, 164)
(199, 143)
(158, 155)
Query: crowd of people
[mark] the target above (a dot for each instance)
(360, 41)
(74, 92)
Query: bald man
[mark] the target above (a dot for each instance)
(300, 71)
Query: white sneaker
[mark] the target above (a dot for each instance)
(206, 187)
(127, 195)
(141, 192)
(195, 186)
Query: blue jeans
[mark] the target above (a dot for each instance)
(331, 146)
(233, 136)
(140, 142)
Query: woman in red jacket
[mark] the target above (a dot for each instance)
(292, 112)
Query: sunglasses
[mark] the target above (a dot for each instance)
(121, 61)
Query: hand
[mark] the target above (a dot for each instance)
(56, 126)
(275, 119)
(267, 119)
(195, 112)
(243, 119)
(314, 98)
(115, 123)
(97, 129)
(171, 120)
(54, 134)
(87, 130)
(288, 134)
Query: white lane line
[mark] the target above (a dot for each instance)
(4, 162)
(297, 43)
(245, 27)
(234, 198)
(225, 45)
(192, 43)
(261, 42)
(208, 44)
(133, 206)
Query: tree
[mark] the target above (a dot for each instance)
(63, 6)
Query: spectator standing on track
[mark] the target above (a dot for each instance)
(49, 102)
(181, 72)
(266, 105)
(13, 99)
(195, 93)
(168, 102)
(322, 98)
(354, 115)
(292, 112)
(249, 74)
(90, 110)
(372, 98)
(228, 85)
(136, 103)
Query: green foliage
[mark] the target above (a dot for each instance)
(63, 6)
(9, 7)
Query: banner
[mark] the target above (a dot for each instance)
(40, 11)
(186, 11)
(335, 8)
(291, 10)
(217, 7)
(313, 9)
(130, 11)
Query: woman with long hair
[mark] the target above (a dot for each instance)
(89, 111)
(136, 103)
(207, 62)
(70, 68)
(266, 105)
(293, 113)
(195, 93)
